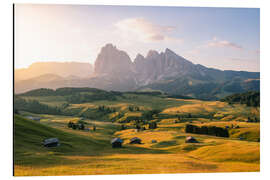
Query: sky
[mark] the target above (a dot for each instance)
(223, 38)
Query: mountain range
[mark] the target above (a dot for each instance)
(113, 70)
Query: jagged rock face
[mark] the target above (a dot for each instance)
(160, 66)
(111, 61)
(114, 70)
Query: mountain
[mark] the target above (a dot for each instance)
(63, 69)
(173, 74)
(163, 66)
(165, 71)
(111, 61)
(114, 70)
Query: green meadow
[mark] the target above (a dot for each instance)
(89, 152)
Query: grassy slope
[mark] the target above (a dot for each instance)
(29, 150)
(146, 101)
(90, 152)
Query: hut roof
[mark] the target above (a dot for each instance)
(114, 140)
(51, 140)
(33, 118)
(190, 138)
(135, 138)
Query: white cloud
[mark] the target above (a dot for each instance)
(144, 30)
(215, 42)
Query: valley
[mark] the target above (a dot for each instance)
(127, 115)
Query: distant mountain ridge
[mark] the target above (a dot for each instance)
(165, 71)
(63, 69)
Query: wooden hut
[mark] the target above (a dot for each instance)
(51, 142)
(116, 142)
(191, 139)
(135, 140)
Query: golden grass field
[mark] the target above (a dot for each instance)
(90, 152)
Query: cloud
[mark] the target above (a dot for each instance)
(215, 42)
(144, 30)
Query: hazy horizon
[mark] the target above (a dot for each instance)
(222, 38)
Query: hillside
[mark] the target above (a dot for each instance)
(64, 69)
(29, 136)
(248, 98)
(90, 152)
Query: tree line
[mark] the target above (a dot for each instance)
(34, 106)
(249, 98)
(208, 130)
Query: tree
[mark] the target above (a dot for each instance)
(70, 124)
(74, 126)
(152, 125)
(130, 108)
(123, 127)
(81, 126)
(138, 126)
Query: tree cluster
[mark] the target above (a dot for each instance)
(133, 108)
(79, 126)
(105, 109)
(255, 119)
(208, 130)
(84, 97)
(148, 115)
(152, 125)
(248, 98)
(34, 106)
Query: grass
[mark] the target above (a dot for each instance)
(90, 152)
(248, 131)
(49, 100)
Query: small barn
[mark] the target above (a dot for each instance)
(191, 139)
(135, 140)
(34, 118)
(51, 142)
(116, 142)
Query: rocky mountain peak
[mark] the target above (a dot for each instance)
(139, 56)
(168, 51)
(152, 54)
(111, 60)
(108, 47)
(139, 59)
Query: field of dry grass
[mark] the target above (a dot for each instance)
(90, 152)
